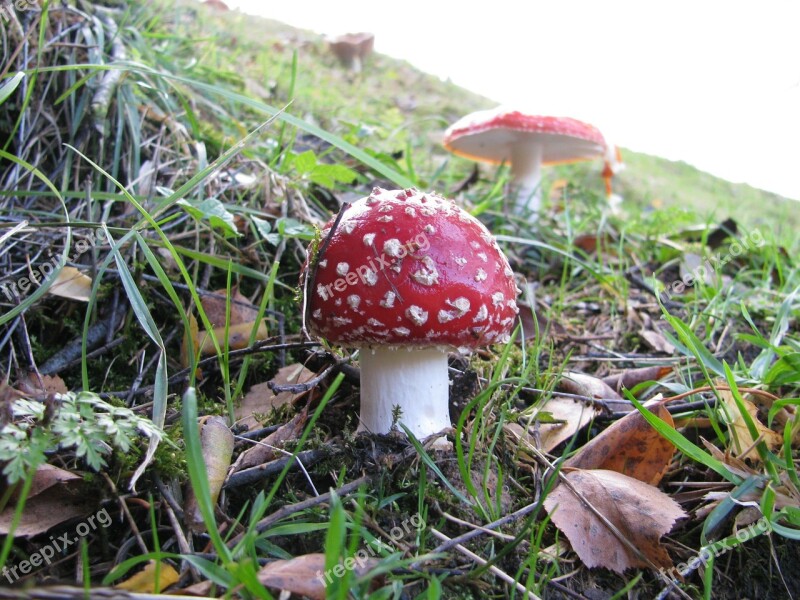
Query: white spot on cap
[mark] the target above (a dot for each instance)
(385, 219)
(417, 315)
(475, 245)
(370, 277)
(402, 331)
(460, 306)
(340, 321)
(460, 261)
(482, 256)
(427, 275)
(480, 275)
(353, 300)
(411, 211)
(507, 271)
(388, 299)
(348, 226)
(428, 212)
(392, 247)
(430, 229)
(369, 239)
(317, 314)
(342, 268)
(323, 263)
(385, 208)
(375, 323)
(482, 315)
(497, 298)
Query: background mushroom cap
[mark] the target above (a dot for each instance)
(488, 135)
(405, 268)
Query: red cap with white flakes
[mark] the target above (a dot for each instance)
(405, 268)
(490, 135)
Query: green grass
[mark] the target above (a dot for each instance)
(204, 97)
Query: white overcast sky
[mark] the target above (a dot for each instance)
(713, 83)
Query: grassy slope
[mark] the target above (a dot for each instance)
(406, 104)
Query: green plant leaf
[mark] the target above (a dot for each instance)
(213, 211)
(10, 85)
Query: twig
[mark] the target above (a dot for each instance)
(492, 569)
(493, 525)
(254, 474)
(290, 509)
(234, 355)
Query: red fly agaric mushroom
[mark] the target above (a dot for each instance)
(405, 277)
(527, 142)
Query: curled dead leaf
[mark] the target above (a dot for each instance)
(640, 514)
(72, 284)
(306, 575)
(564, 417)
(741, 438)
(216, 441)
(630, 446)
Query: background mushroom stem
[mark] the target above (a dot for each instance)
(526, 173)
(415, 379)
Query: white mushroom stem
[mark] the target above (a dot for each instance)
(526, 173)
(413, 379)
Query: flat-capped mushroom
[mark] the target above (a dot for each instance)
(406, 277)
(352, 48)
(525, 141)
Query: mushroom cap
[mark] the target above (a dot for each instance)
(405, 268)
(488, 135)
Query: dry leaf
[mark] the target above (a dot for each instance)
(67, 498)
(238, 337)
(305, 575)
(242, 310)
(640, 512)
(216, 441)
(37, 385)
(261, 399)
(740, 434)
(582, 384)
(630, 378)
(630, 446)
(192, 334)
(144, 582)
(264, 451)
(656, 341)
(71, 283)
(47, 476)
(565, 416)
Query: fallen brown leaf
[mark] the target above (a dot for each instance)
(66, 498)
(630, 446)
(582, 384)
(265, 450)
(72, 284)
(640, 512)
(238, 337)
(305, 575)
(145, 581)
(216, 441)
(36, 385)
(737, 427)
(630, 378)
(242, 310)
(261, 399)
(564, 417)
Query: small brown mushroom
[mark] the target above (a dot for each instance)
(352, 48)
